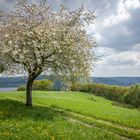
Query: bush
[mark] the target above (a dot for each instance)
(133, 96)
(43, 85)
(21, 88)
(128, 95)
(114, 93)
(39, 85)
(75, 87)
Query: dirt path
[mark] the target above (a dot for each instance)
(124, 132)
(100, 120)
(91, 126)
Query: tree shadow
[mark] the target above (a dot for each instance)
(10, 109)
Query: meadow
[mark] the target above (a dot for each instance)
(58, 115)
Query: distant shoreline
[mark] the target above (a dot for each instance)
(118, 81)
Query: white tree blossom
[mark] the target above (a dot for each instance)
(36, 38)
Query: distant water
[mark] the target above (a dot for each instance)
(4, 89)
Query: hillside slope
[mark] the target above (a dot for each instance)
(80, 109)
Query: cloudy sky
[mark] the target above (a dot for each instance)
(116, 30)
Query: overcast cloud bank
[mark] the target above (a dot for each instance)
(116, 30)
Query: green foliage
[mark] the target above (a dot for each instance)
(75, 87)
(133, 96)
(114, 93)
(43, 85)
(21, 88)
(126, 95)
(39, 85)
(2, 68)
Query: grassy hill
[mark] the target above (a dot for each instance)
(66, 116)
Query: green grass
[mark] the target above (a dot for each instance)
(40, 123)
(47, 120)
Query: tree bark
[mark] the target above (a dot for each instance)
(29, 92)
(29, 85)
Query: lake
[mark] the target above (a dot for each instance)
(4, 89)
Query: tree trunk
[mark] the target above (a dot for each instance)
(29, 92)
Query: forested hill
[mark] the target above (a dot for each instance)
(11, 81)
(15, 81)
(120, 81)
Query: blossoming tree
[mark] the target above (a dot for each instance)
(35, 38)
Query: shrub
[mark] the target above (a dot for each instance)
(21, 88)
(133, 96)
(39, 85)
(114, 93)
(75, 87)
(43, 85)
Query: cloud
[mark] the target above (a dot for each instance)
(136, 47)
(98, 37)
(132, 3)
(6, 5)
(119, 63)
(116, 30)
(121, 15)
(122, 12)
(121, 35)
